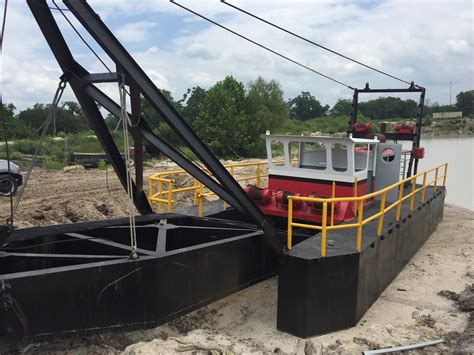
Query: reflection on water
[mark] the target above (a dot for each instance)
(459, 153)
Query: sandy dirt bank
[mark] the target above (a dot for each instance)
(425, 302)
(430, 299)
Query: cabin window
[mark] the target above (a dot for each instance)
(313, 156)
(294, 149)
(388, 155)
(361, 156)
(277, 153)
(339, 157)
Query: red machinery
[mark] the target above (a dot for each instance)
(362, 127)
(404, 128)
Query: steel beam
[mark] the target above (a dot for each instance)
(108, 243)
(101, 78)
(226, 186)
(381, 91)
(104, 37)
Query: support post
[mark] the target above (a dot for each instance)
(399, 206)
(382, 211)
(324, 229)
(137, 139)
(290, 223)
(359, 228)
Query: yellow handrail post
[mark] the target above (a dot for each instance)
(355, 195)
(290, 223)
(382, 211)
(445, 174)
(412, 198)
(399, 206)
(324, 229)
(200, 197)
(158, 207)
(423, 188)
(150, 190)
(359, 228)
(170, 194)
(195, 186)
(257, 179)
(436, 179)
(333, 194)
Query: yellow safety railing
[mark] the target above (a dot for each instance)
(359, 203)
(161, 187)
(258, 176)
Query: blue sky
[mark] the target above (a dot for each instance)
(429, 42)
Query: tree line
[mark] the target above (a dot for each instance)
(231, 116)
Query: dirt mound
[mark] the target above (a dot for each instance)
(463, 342)
(464, 299)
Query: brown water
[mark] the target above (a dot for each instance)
(459, 153)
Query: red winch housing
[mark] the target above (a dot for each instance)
(362, 127)
(405, 128)
(419, 153)
(274, 200)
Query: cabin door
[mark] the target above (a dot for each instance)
(387, 168)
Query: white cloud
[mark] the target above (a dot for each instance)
(459, 46)
(428, 42)
(135, 31)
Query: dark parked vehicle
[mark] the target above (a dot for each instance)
(9, 182)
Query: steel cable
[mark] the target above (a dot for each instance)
(80, 36)
(314, 43)
(125, 122)
(261, 45)
(52, 108)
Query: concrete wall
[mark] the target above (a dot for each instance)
(457, 114)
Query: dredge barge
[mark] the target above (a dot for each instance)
(336, 222)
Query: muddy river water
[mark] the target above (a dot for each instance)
(459, 153)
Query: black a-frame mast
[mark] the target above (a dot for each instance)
(82, 83)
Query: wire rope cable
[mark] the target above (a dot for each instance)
(81, 37)
(314, 43)
(52, 109)
(125, 123)
(261, 45)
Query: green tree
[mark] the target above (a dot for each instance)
(16, 128)
(222, 116)
(305, 107)
(465, 102)
(265, 110)
(69, 117)
(388, 107)
(34, 116)
(111, 121)
(341, 108)
(194, 99)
